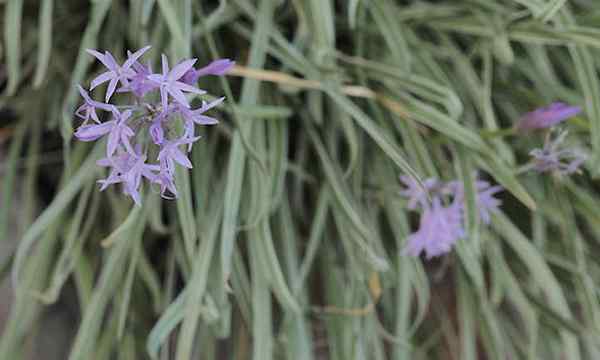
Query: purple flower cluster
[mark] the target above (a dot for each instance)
(442, 225)
(128, 147)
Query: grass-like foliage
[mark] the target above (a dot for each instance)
(288, 239)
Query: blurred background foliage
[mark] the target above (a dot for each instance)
(287, 239)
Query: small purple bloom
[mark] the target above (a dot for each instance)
(170, 84)
(418, 195)
(88, 109)
(547, 116)
(440, 227)
(120, 132)
(139, 84)
(217, 67)
(117, 130)
(128, 169)
(167, 183)
(193, 117)
(554, 157)
(115, 72)
(170, 154)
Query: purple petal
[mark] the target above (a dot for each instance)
(99, 56)
(178, 96)
(180, 69)
(84, 94)
(131, 59)
(93, 132)
(112, 85)
(217, 67)
(157, 78)
(102, 78)
(110, 60)
(189, 88)
(548, 116)
(113, 143)
(178, 156)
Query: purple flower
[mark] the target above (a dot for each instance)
(139, 84)
(115, 72)
(547, 116)
(439, 229)
(128, 169)
(170, 84)
(167, 183)
(193, 117)
(554, 157)
(128, 166)
(117, 130)
(217, 67)
(88, 109)
(416, 194)
(170, 154)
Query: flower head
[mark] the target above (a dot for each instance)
(547, 116)
(155, 121)
(439, 229)
(440, 226)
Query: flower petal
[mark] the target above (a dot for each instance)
(178, 96)
(93, 132)
(178, 156)
(189, 88)
(132, 58)
(102, 78)
(217, 67)
(112, 85)
(180, 69)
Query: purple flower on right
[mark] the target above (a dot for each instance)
(442, 225)
(548, 116)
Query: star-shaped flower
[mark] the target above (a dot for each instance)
(170, 154)
(115, 71)
(193, 117)
(117, 130)
(128, 169)
(88, 109)
(170, 84)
